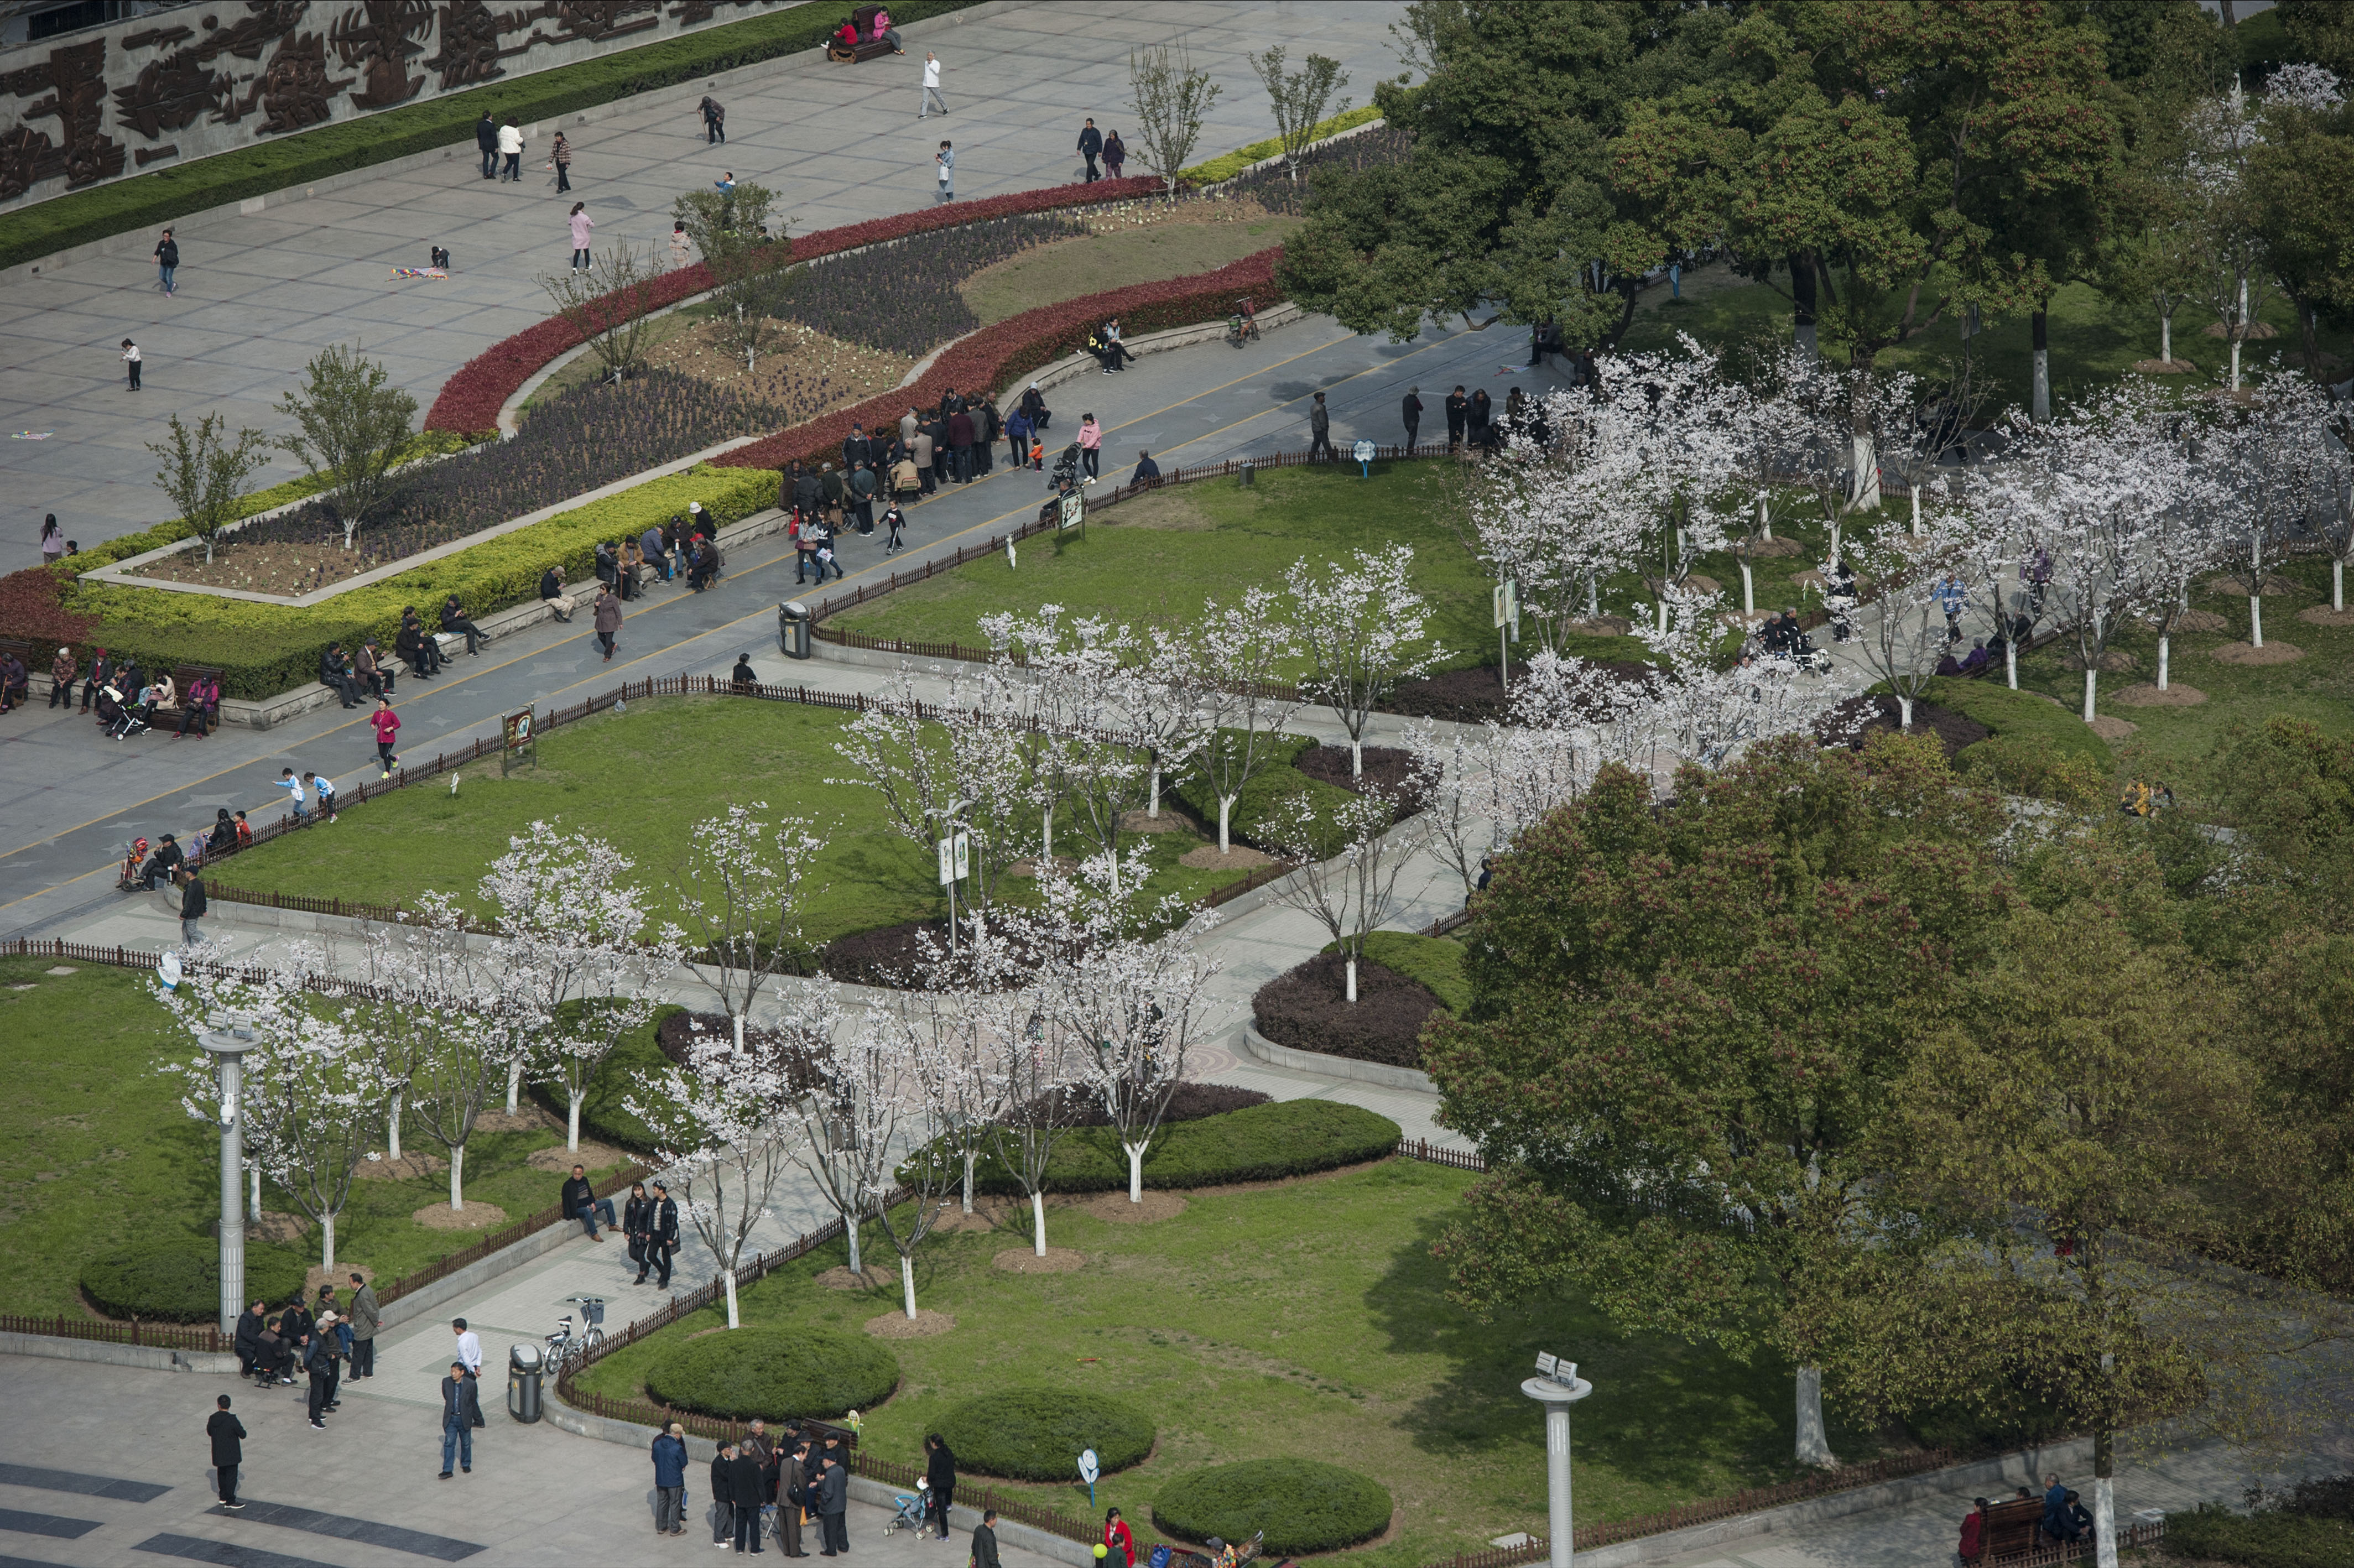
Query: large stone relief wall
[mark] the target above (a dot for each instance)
(218, 74)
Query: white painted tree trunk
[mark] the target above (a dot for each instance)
(2104, 1522)
(2092, 680)
(2166, 337)
(850, 1225)
(1592, 596)
(2337, 587)
(1153, 810)
(1047, 838)
(572, 1122)
(1813, 1442)
(1863, 452)
(1135, 1171)
(1764, 519)
(2011, 661)
(1903, 711)
(253, 1203)
(1352, 979)
(2239, 330)
(1917, 511)
(1038, 1223)
(2256, 620)
(1356, 756)
(969, 1156)
(392, 1123)
(1225, 809)
(458, 1177)
(729, 1275)
(1748, 592)
(328, 1241)
(2162, 642)
(739, 1032)
(908, 1283)
(514, 1084)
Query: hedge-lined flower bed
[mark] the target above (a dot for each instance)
(921, 309)
(470, 399)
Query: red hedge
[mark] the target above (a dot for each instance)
(471, 400)
(995, 355)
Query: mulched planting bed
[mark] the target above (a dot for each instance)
(1474, 696)
(1880, 714)
(1306, 1009)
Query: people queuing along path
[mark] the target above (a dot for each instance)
(257, 294)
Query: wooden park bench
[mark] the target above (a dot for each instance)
(184, 676)
(2012, 1529)
(868, 47)
(24, 652)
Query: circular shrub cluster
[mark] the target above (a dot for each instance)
(1257, 1143)
(774, 1373)
(176, 1279)
(1035, 1434)
(1303, 1505)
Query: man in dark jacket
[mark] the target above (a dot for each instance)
(1319, 431)
(461, 1412)
(939, 1470)
(723, 1493)
(456, 622)
(662, 1241)
(228, 1434)
(1146, 468)
(319, 1361)
(101, 671)
(1459, 410)
(1091, 148)
(744, 1490)
(582, 1202)
(670, 1481)
(984, 1540)
(833, 1505)
(809, 495)
(333, 676)
(987, 427)
(637, 1224)
(857, 452)
(960, 439)
(409, 643)
(1411, 408)
(863, 486)
(248, 1337)
(486, 138)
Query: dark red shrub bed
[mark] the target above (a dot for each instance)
(1306, 1009)
(921, 308)
(1473, 696)
(1389, 771)
(1857, 719)
(1279, 192)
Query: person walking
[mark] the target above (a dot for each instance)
(1090, 149)
(1319, 431)
(1090, 445)
(387, 725)
(53, 541)
(608, 619)
(939, 1469)
(192, 906)
(714, 121)
(486, 139)
(1459, 410)
(511, 149)
(167, 260)
(833, 1505)
(984, 1540)
(670, 1481)
(582, 224)
(461, 1412)
(945, 159)
(637, 1220)
(131, 361)
(367, 1317)
(1411, 409)
(1115, 154)
(559, 153)
(931, 88)
(662, 1241)
(227, 1434)
(893, 521)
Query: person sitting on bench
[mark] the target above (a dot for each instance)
(201, 704)
(582, 1202)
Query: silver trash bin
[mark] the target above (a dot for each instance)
(793, 622)
(526, 1368)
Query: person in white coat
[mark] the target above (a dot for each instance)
(931, 87)
(511, 148)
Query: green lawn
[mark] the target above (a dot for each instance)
(644, 780)
(1307, 1319)
(1068, 269)
(2092, 342)
(97, 1153)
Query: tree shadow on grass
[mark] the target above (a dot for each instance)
(1666, 1420)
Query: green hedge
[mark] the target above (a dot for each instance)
(1303, 1505)
(2019, 715)
(1433, 961)
(1259, 1143)
(148, 200)
(176, 1279)
(263, 650)
(603, 1117)
(1037, 1434)
(2261, 1539)
(1241, 158)
(775, 1372)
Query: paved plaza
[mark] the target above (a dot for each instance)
(261, 294)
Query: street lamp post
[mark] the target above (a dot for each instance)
(227, 1048)
(1557, 1387)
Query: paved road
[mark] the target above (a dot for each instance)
(69, 797)
(259, 294)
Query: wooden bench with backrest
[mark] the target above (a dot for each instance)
(24, 652)
(869, 47)
(2011, 1529)
(184, 676)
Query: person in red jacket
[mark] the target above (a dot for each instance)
(1974, 1532)
(1122, 1545)
(387, 724)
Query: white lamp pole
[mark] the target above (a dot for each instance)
(1558, 1388)
(227, 1048)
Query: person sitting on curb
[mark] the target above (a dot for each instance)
(582, 1202)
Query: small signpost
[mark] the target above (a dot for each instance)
(956, 864)
(1363, 452)
(1508, 623)
(1089, 1470)
(1074, 512)
(519, 734)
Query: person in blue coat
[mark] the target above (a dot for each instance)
(670, 1481)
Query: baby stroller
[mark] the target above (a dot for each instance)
(1066, 468)
(120, 717)
(134, 855)
(910, 1511)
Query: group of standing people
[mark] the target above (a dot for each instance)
(761, 1485)
(318, 1339)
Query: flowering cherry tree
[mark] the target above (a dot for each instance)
(1489, 785)
(1235, 652)
(1086, 752)
(1349, 893)
(1904, 636)
(1555, 521)
(1128, 1009)
(1360, 624)
(746, 886)
(2287, 472)
(1160, 698)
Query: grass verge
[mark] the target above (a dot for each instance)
(1049, 274)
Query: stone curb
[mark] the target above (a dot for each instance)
(629, 1433)
(1322, 1066)
(150, 1357)
(1083, 362)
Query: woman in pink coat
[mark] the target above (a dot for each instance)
(1090, 444)
(582, 224)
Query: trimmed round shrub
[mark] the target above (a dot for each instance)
(1304, 1505)
(1258, 1143)
(176, 1279)
(1037, 1434)
(774, 1373)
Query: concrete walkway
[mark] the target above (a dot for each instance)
(262, 292)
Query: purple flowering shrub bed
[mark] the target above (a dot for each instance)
(1273, 188)
(902, 297)
(589, 437)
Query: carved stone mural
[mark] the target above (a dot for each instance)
(217, 74)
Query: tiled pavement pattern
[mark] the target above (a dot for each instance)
(259, 294)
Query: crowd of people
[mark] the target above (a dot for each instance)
(324, 1339)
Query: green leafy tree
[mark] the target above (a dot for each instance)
(1171, 95)
(352, 426)
(2301, 179)
(731, 230)
(205, 472)
(1688, 1024)
(1298, 99)
(2322, 31)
